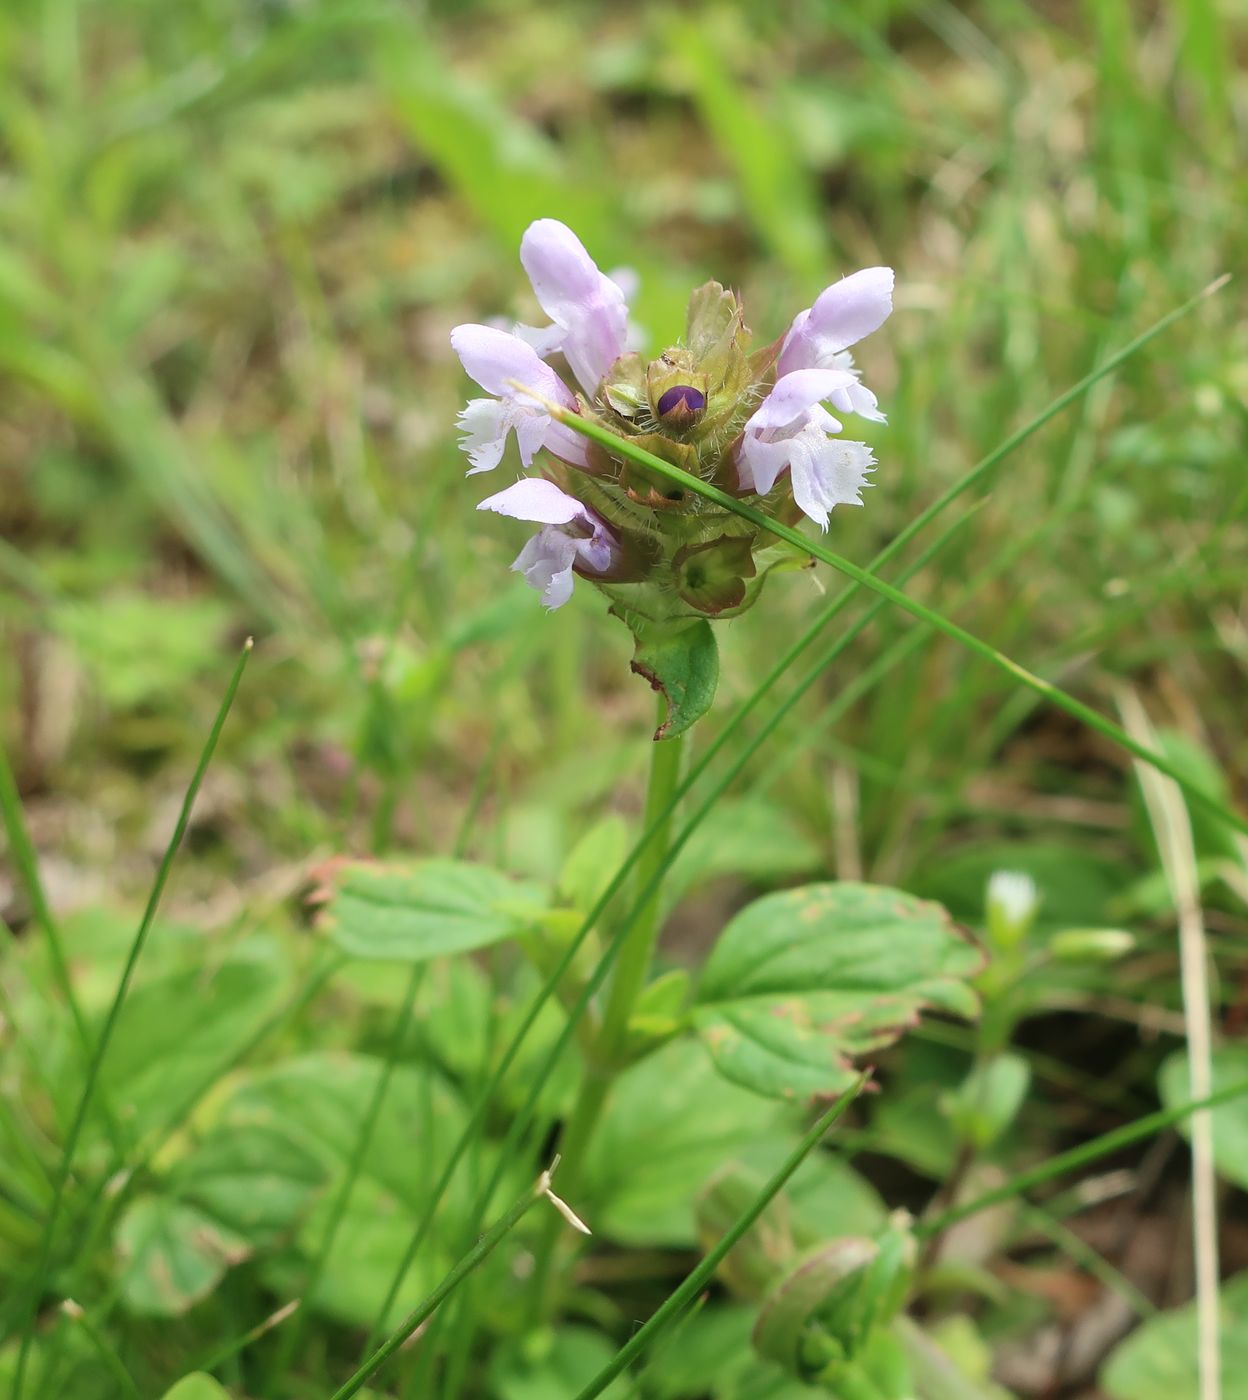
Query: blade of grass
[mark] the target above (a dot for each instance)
(1080, 1156)
(697, 1280)
(26, 861)
(1173, 831)
(228, 1350)
(479, 1252)
(958, 488)
(29, 1310)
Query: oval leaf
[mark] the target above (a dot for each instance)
(411, 911)
(802, 982)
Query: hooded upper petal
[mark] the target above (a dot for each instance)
(498, 360)
(588, 305)
(505, 365)
(842, 315)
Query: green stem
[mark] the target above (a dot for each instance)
(608, 1053)
(633, 966)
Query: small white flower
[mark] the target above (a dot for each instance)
(1012, 901)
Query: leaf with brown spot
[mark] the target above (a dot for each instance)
(803, 982)
(172, 1255)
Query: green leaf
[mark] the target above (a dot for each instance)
(684, 666)
(172, 1255)
(252, 1178)
(415, 910)
(593, 860)
(668, 1125)
(1158, 1360)
(176, 1032)
(317, 1103)
(1230, 1121)
(196, 1386)
(802, 982)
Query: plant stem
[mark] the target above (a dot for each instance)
(633, 966)
(607, 1055)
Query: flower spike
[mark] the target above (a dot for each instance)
(765, 424)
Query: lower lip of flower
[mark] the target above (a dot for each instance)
(681, 402)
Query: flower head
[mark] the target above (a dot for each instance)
(754, 422)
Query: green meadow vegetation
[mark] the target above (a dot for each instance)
(384, 1012)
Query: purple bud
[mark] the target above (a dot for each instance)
(681, 403)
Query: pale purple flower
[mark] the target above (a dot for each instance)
(499, 362)
(842, 315)
(572, 534)
(588, 308)
(791, 428)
